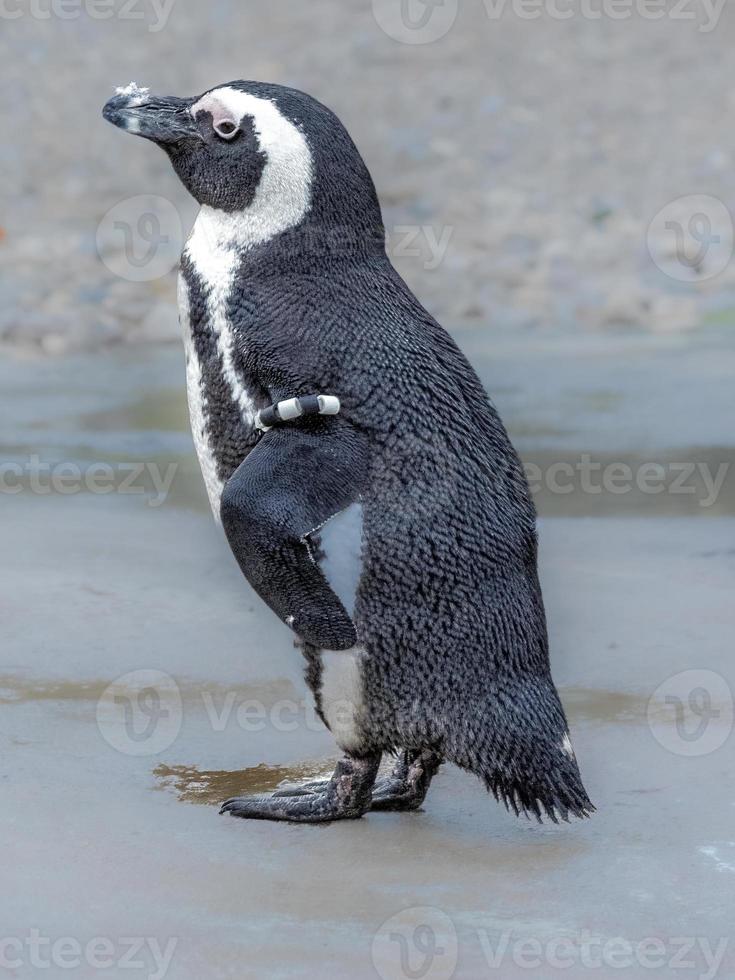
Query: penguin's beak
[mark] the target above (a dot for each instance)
(162, 119)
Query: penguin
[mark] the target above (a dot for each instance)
(364, 481)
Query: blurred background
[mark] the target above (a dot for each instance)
(558, 189)
(521, 160)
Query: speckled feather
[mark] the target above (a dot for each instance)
(449, 608)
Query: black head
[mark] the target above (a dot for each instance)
(272, 152)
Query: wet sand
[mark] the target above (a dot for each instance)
(109, 833)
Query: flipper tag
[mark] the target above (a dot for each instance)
(296, 408)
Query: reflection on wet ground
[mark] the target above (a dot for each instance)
(194, 786)
(98, 587)
(604, 707)
(14, 689)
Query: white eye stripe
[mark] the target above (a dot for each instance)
(283, 195)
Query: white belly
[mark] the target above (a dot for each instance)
(342, 695)
(342, 684)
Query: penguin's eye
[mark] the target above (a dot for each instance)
(226, 129)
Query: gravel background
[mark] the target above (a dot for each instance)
(520, 161)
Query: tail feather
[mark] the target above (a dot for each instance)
(517, 741)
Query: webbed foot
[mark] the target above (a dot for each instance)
(406, 786)
(346, 796)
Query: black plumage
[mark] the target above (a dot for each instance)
(448, 610)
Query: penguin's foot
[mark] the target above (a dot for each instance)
(406, 786)
(346, 796)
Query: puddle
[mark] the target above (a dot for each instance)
(212, 787)
(583, 704)
(592, 704)
(13, 690)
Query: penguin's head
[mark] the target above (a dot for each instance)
(273, 153)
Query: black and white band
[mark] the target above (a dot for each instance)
(296, 408)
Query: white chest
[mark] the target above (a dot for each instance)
(196, 396)
(214, 256)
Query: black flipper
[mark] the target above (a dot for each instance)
(291, 483)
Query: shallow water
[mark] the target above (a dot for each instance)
(194, 786)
